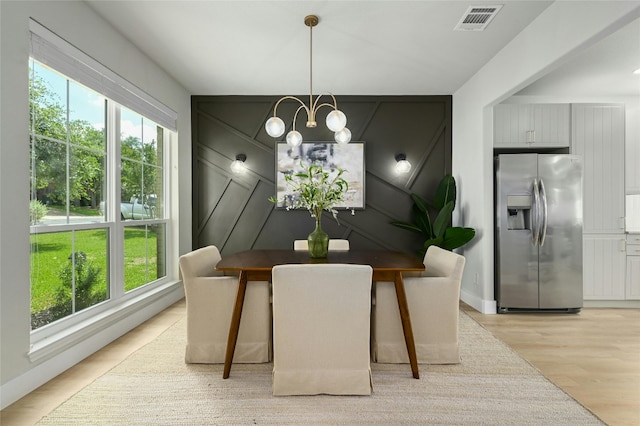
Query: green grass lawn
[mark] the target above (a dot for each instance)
(140, 257)
(50, 253)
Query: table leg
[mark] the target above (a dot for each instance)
(235, 324)
(406, 324)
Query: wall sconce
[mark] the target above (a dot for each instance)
(237, 165)
(402, 165)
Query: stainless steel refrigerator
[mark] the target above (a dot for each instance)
(538, 232)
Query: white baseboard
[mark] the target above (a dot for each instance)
(480, 305)
(633, 304)
(490, 306)
(20, 386)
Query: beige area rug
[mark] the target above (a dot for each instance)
(492, 386)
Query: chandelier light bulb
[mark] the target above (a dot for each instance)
(294, 138)
(343, 136)
(274, 127)
(336, 120)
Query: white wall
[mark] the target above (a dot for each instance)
(534, 52)
(78, 24)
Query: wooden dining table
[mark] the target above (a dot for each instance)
(256, 265)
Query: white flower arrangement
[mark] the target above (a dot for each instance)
(315, 190)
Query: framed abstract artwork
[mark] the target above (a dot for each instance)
(332, 156)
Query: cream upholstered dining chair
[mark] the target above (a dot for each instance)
(210, 300)
(433, 299)
(334, 245)
(321, 329)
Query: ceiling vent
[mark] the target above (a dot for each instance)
(476, 18)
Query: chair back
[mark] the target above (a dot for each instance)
(301, 245)
(434, 299)
(200, 263)
(334, 245)
(210, 297)
(321, 329)
(338, 245)
(439, 262)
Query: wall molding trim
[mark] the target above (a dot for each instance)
(232, 211)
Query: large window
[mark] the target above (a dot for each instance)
(97, 194)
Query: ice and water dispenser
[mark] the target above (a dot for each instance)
(518, 211)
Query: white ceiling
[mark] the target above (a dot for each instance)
(605, 69)
(359, 47)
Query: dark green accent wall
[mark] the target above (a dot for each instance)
(232, 211)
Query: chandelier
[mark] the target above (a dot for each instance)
(336, 120)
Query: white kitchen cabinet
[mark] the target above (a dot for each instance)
(604, 263)
(598, 136)
(633, 267)
(632, 154)
(632, 146)
(532, 125)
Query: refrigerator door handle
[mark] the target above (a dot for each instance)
(543, 196)
(535, 217)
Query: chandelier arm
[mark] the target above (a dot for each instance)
(275, 108)
(295, 116)
(316, 107)
(335, 103)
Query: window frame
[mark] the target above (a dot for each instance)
(119, 299)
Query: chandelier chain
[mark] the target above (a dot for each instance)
(312, 118)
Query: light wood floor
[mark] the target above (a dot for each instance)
(594, 356)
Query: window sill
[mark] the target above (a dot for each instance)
(59, 342)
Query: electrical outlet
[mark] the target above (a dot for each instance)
(477, 279)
